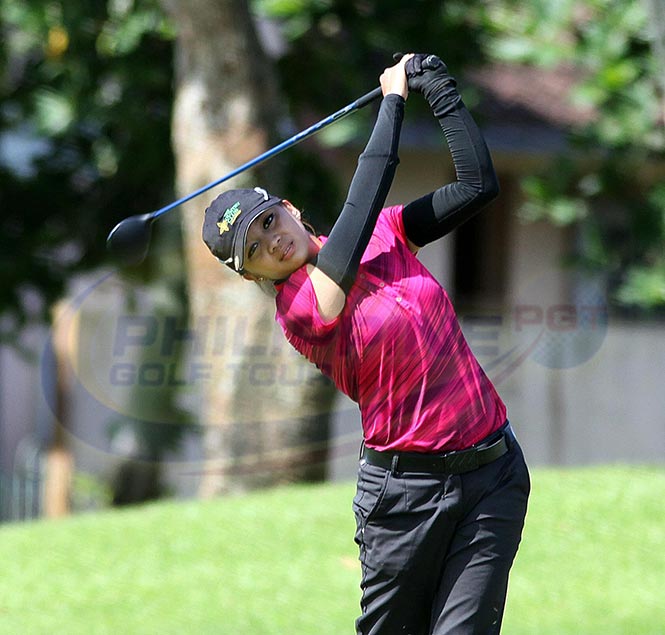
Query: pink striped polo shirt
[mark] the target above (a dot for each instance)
(396, 349)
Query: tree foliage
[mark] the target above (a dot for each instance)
(85, 89)
(339, 47)
(618, 203)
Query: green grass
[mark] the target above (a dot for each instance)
(283, 561)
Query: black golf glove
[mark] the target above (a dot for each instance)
(428, 75)
(438, 213)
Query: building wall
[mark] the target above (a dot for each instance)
(22, 404)
(24, 420)
(610, 408)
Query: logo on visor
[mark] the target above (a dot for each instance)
(229, 218)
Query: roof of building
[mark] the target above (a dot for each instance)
(518, 92)
(521, 109)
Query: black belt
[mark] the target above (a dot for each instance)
(484, 452)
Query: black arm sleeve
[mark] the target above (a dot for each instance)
(439, 212)
(340, 256)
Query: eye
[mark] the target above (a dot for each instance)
(267, 222)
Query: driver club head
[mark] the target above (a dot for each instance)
(130, 238)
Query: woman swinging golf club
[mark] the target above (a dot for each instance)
(442, 483)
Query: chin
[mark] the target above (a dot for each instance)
(299, 258)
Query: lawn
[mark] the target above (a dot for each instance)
(283, 561)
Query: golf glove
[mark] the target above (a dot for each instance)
(428, 75)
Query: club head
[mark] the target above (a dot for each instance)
(130, 238)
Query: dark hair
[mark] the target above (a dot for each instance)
(309, 227)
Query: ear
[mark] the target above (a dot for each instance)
(292, 208)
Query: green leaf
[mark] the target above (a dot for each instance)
(517, 49)
(643, 287)
(564, 211)
(289, 8)
(340, 133)
(54, 112)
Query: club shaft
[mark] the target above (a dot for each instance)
(308, 132)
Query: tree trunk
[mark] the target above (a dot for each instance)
(265, 410)
(59, 459)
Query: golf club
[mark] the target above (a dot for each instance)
(130, 238)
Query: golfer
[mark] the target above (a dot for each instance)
(442, 483)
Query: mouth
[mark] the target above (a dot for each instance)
(288, 252)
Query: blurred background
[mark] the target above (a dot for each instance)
(121, 384)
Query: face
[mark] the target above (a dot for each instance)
(277, 243)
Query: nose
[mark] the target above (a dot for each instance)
(275, 241)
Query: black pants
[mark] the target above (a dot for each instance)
(436, 549)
